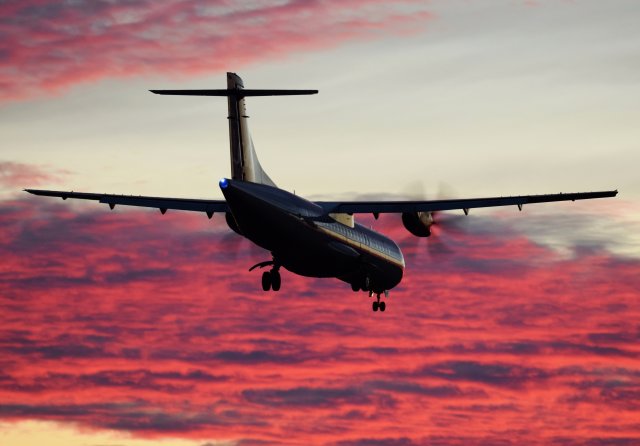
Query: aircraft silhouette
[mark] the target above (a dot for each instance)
(309, 238)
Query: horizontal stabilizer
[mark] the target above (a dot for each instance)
(234, 92)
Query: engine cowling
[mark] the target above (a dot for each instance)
(418, 223)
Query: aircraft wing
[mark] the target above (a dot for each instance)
(161, 203)
(381, 207)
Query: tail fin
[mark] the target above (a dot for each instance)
(244, 161)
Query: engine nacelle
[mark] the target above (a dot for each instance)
(418, 223)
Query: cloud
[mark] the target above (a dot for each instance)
(398, 386)
(16, 175)
(306, 396)
(152, 325)
(495, 374)
(51, 45)
(131, 417)
(401, 441)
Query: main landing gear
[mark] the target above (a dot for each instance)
(271, 280)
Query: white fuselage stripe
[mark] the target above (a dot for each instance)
(361, 246)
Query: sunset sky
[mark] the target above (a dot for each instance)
(130, 328)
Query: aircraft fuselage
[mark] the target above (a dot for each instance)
(305, 241)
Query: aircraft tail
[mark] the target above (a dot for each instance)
(245, 165)
(244, 160)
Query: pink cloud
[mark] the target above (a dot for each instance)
(49, 46)
(154, 326)
(17, 175)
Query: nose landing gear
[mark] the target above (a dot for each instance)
(378, 304)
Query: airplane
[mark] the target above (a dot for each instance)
(309, 238)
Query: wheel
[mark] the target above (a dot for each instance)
(266, 281)
(366, 284)
(355, 287)
(276, 281)
(382, 306)
(375, 305)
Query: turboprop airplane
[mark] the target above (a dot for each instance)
(309, 238)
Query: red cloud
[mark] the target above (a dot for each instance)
(152, 324)
(50, 45)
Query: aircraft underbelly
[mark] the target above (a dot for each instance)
(316, 258)
(304, 250)
(300, 249)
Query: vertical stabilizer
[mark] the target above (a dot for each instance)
(244, 161)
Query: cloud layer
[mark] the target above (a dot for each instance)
(50, 45)
(151, 324)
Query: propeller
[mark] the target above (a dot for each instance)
(444, 224)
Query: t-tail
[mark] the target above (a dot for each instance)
(245, 165)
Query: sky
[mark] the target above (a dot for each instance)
(132, 328)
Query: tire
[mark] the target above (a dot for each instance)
(276, 281)
(355, 287)
(374, 306)
(383, 306)
(266, 281)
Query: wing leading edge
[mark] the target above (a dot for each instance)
(381, 207)
(343, 207)
(161, 203)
